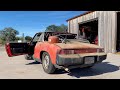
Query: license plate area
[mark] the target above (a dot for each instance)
(89, 60)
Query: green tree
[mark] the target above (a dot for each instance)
(18, 38)
(8, 34)
(28, 38)
(51, 28)
(61, 28)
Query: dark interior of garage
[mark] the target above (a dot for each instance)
(118, 32)
(89, 30)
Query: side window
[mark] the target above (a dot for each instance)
(41, 38)
(47, 35)
(36, 38)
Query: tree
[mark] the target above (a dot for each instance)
(28, 38)
(8, 34)
(61, 28)
(51, 28)
(18, 38)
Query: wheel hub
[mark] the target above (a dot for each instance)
(46, 61)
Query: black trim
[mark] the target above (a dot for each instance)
(77, 61)
(69, 61)
(19, 48)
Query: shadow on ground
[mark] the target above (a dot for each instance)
(98, 69)
(33, 63)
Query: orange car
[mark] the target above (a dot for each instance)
(58, 50)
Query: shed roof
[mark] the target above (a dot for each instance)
(80, 15)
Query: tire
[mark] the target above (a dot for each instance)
(28, 57)
(47, 64)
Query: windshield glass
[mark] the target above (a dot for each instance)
(71, 37)
(67, 36)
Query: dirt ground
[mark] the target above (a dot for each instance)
(19, 68)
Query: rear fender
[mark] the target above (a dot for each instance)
(51, 49)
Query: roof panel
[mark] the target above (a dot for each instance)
(80, 15)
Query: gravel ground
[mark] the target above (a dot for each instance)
(19, 68)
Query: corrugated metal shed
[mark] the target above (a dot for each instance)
(107, 28)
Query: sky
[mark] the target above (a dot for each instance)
(31, 22)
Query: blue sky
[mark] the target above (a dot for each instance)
(31, 22)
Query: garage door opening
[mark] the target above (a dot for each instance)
(89, 31)
(118, 33)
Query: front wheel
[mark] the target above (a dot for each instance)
(47, 64)
(28, 57)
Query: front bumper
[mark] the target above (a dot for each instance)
(79, 59)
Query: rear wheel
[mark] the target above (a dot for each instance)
(47, 64)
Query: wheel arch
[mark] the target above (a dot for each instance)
(41, 54)
(51, 50)
(51, 58)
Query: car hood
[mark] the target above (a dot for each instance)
(77, 45)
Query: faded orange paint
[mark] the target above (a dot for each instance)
(51, 49)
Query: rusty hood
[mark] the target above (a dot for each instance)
(77, 45)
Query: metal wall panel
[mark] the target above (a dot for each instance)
(106, 28)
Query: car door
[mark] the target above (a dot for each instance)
(15, 49)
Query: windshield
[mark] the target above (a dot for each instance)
(71, 37)
(67, 36)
